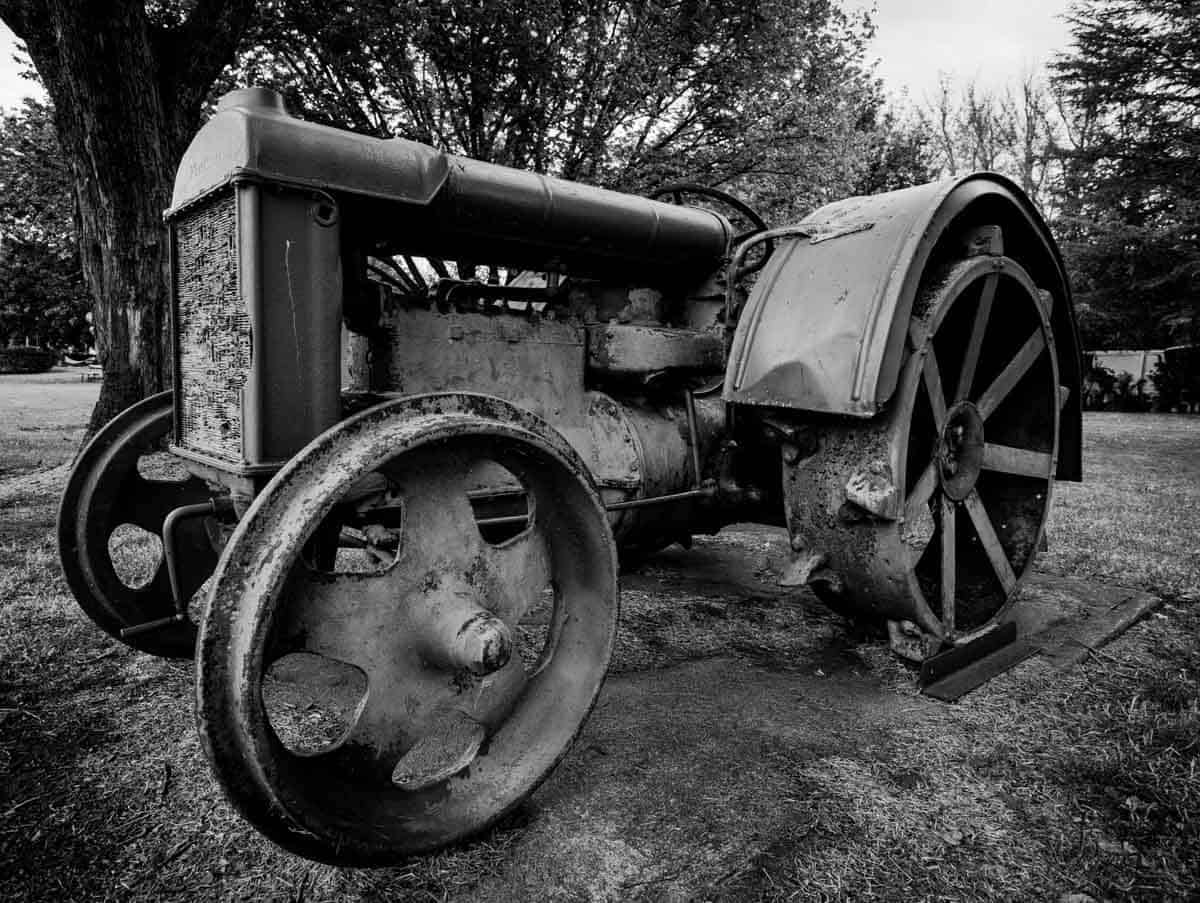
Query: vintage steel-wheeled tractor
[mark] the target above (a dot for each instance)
(422, 403)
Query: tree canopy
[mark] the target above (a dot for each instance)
(42, 296)
(1016, 131)
(769, 97)
(1131, 187)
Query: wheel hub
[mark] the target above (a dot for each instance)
(960, 450)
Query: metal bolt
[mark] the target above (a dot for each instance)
(482, 645)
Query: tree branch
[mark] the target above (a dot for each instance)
(191, 56)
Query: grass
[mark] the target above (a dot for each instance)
(808, 768)
(1133, 520)
(44, 418)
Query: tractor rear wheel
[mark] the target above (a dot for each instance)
(931, 515)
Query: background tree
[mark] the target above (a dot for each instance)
(1016, 131)
(42, 296)
(768, 97)
(901, 152)
(1131, 191)
(127, 80)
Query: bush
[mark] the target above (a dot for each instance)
(1177, 377)
(1104, 390)
(27, 360)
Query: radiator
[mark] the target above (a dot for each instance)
(212, 328)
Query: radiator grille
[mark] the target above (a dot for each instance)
(213, 329)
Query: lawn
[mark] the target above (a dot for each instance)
(795, 760)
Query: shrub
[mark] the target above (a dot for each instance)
(27, 360)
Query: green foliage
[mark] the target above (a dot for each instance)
(1177, 379)
(1105, 390)
(900, 154)
(769, 97)
(43, 299)
(42, 296)
(1131, 189)
(20, 359)
(36, 199)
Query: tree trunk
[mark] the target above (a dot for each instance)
(114, 133)
(127, 96)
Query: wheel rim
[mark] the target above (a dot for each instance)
(932, 514)
(978, 431)
(433, 751)
(107, 492)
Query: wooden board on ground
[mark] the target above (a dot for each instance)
(1062, 619)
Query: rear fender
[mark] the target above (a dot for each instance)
(825, 326)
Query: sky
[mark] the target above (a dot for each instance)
(992, 41)
(12, 87)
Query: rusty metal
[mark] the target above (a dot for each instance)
(257, 294)
(735, 269)
(173, 549)
(433, 474)
(403, 628)
(620, 349)
(678, 191)
(448, 206)
(661, 499)
(825, 327)
(689, 405)
(105, 491)
(931, 515)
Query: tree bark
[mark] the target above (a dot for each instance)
(127, 96)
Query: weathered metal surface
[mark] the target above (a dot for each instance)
(535, 362)
(634, 448)
(257, 312)
(824, 329)
(932, 514)
(616, 349)
(952, 674)
(212, 332)
(362, 799)
(105, 491)
(449, 206)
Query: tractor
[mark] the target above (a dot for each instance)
(424, 406)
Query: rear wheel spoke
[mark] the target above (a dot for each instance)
(921, 492)
(991, 542)
(439, 523)
(932, 375)
(949, 566)
(1022, 462)
(382, 731)
(975, 342)
(147, 503)
(1003, 384)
